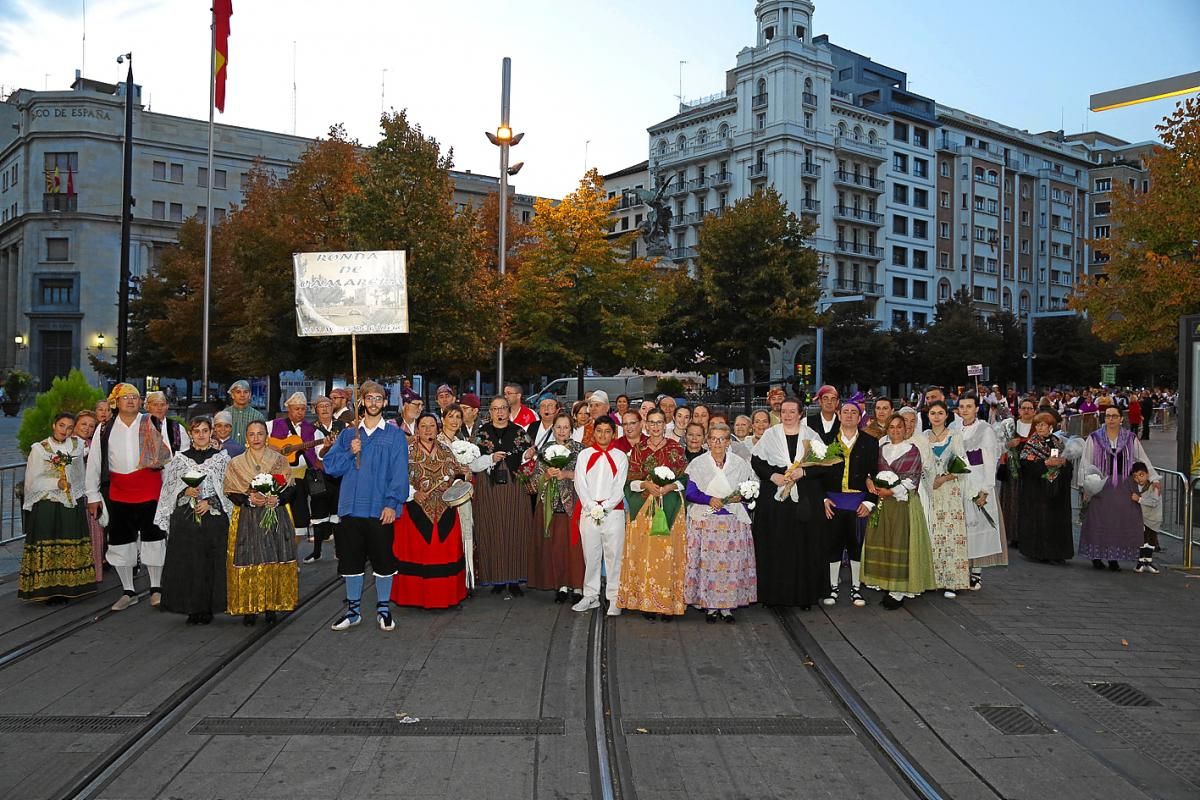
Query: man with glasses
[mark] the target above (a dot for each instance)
(632, 427)
(518, 413)
(372, 461)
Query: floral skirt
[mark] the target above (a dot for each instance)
(720, 565)
(57, 558)
(653, 567)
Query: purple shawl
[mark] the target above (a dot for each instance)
(1116, 467)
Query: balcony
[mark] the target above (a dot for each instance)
(851, 145)
(857, 215)
(677, 187)
(681, 253)
(695, 184)
(859, 180)
(850, 286)
(684, 219)
(759, 100)
(810, 169)
(810, 206)
(856, 249)
(719, 179)
(757, 171)
(809, 99)
(690, 149)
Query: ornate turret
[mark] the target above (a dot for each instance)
(784, 18)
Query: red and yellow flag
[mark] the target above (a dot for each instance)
(222, 11)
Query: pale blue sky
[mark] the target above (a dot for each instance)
(592, 69)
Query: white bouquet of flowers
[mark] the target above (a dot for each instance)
(749, 492)
(597, 513)
(464, 452)
(193, 478)
(663, 476)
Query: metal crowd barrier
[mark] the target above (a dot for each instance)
(1164, 416)
(1081, 425)
(1178, 495)
(12, 496)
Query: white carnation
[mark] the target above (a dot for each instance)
(557, 451)
(664, 473)
(464, 452)
(818, 449)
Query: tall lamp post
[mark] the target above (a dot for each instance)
(1029, 355)
(504, 138)
(126, 221)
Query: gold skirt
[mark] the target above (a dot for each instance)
(255, 588)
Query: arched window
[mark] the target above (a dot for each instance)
(1024, 301)
(761, 86)
(871, 136)
(702, 136)
(857, 133)
(681, 143)
(979, 173)
(808, 85)
(1007, 299)
(662, 147)
(993, 176)
(841, 129)
(943, 290)
(723, 131)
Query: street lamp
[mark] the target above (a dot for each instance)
(1029, 355)
(504, 138)
(126, 221)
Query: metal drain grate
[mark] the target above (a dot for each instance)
(265, 726)
(33, 723)
(1012, 720)
(736, 726)
(1123, 694)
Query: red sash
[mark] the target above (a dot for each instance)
(140, 486)
(577, 513)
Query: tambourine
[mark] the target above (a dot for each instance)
(458, 493)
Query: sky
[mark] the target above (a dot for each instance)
(589, 76)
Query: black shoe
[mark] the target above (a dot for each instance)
(727, 616)
(193, 619)
(806, 608)
(1113, 566)
(515, 590)
(270, 617)
(891, 603)
(1097, 563)
(647, 615)
(498, 588)
(560, 597)
(666, 617)
(205, 618)
(711, 617)
(575, 597)
(249, 620)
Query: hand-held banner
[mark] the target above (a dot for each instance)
(339, 294)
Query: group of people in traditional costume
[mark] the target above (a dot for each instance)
(663, 506)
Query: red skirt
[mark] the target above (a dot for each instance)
(431, 571)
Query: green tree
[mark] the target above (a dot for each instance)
(576, 299)
(956, 339)
(755, 285)
(1153, 274)
(72, 394)
(1008, 365)
(855, 350)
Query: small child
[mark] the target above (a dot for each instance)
(1146, 496)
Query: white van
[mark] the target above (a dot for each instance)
(635, 387)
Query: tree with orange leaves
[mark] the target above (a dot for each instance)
(1153, 274)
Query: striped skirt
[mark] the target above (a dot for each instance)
(503, 525)
(896, 552)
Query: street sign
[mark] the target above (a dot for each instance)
(974, 370)
(1108, 373)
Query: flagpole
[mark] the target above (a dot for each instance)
(208, 207)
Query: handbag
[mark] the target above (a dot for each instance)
(316, 482)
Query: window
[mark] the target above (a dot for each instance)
(57, 249)
(963, 263)
(1025, 190)
(244, 181)
(920, 229)
(899, 132)
(1007, 186)
(202, 176)
(980, 233)
(702, 136)
(900, 162)
(160, 170)
(219, 215)
(61, 162)
(1025, 218)
(920, 290)
(55, 202)
(900, 256)
(1007, 214)
(943, 260)
(943, 230)
(920, 259)
(962, 231)
(920, 137)
(921, 167)
(945, 169)
(993, 177)
(899, 287)
(158, 210)
(899, 319)
(760, 121)
(637, 219)
(1007, 299)
(991, 266)
(991, 207)
(943, 290)
(979, 176)
(964, 199)
(920, 198)
(176, 212)
(219, 178)
(944, 199)
(979, 263)
(800, 31)
(56, 292)
(900, 225)
(1025, 246)
(1101, 209)
(900, 193)
(808, 120)
(624, 223)
(1103, 184)
(1007, 242)
(990, 295)
(977, 293)
(1100, 232)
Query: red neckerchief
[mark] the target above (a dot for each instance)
(596, 457)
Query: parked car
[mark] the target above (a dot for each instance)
(635, 387)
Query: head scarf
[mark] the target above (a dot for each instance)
(297, 399)
(122, 390)
(826, 389)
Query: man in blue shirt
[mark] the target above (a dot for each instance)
(372, 461)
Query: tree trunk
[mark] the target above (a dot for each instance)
(579, 383)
